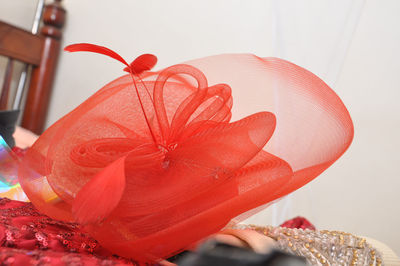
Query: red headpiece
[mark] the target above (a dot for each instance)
(151, 162)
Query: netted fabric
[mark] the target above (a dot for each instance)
(153, 156)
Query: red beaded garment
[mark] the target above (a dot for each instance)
(28, 237)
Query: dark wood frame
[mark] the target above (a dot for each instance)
(41, 51)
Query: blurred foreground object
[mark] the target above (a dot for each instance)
(221, 254)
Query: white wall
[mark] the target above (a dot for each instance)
(359, 193)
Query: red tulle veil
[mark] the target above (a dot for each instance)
(154, 156)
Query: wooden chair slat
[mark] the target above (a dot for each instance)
(6, 85)
(20, 44)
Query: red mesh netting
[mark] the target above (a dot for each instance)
(169, 164)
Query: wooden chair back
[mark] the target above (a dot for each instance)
(38, 51)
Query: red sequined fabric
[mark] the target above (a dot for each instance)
(28, 237)
(299, 223)
(154, 156)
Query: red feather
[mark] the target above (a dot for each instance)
(98, 198)
(88, 47)
(142, 63)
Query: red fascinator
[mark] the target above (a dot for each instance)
(151, 163)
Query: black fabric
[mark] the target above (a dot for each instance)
(221, 254)
(8, 121)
